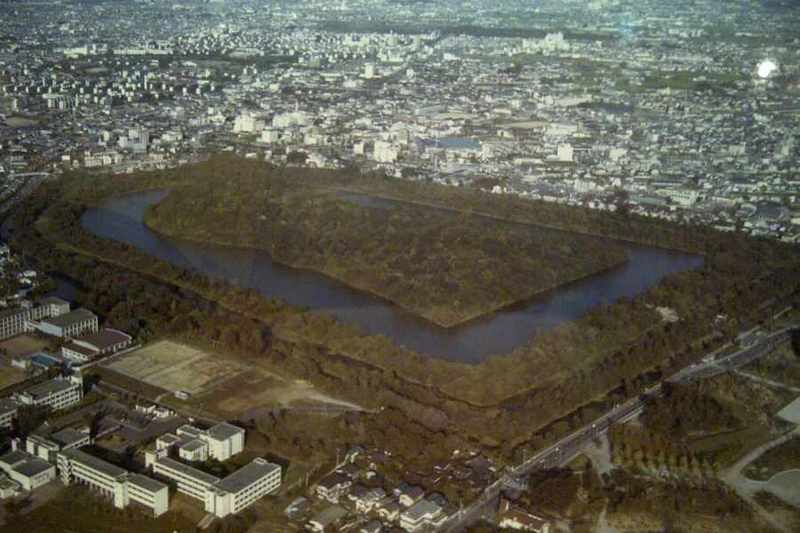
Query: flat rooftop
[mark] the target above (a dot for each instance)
(33, 467)
(73, 317)
(7, 405)
(247, 475)
(68, 436)
(144, 482)
(223, 431)
(187, 470)
(94, 463)
(49, 387)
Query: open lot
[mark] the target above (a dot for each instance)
(257, 391)
(10, 375)
(173, 366)
(23, 344)
(220, 385)
(16, 346)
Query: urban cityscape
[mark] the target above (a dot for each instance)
(394, 265)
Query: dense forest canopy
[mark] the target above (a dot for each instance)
(445, 266)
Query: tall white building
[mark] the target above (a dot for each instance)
(565, 152)
(385, 152)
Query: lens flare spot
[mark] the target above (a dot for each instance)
(766, 68)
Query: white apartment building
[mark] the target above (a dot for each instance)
(117, 483)
(58, 393)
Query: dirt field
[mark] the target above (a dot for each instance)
(221, 386)
(23, 344)
(174, 367)
(10, 375)
(257, 391)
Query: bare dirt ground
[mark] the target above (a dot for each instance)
(222, 385)
(16, 346)
(23, 344)
(10, 375)
(173, 366)
(249, 395)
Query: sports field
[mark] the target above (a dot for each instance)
(173, 366)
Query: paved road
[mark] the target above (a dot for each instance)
(765, 381)
(746, 488)
(568, 447)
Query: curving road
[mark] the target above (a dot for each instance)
(568, 447)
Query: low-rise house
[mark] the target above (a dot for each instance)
(373, 526)
(422, 514)
(512, 518)
(410, 494)
(389, 511)
(333, 486)
(366, 499)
